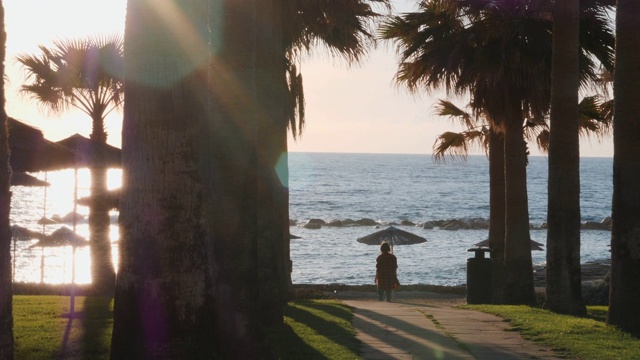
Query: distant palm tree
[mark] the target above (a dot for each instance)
(593, 116)
(624, 295)
(593, 119)
(6, 308)
(500, 53)
(86, 75)
(341, 28)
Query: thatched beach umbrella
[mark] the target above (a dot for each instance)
(23, 179)
(91, 153)
(111, 199)
(534, 244)
(62, 237)
(393, 236)
(31, 152)
(21, 233)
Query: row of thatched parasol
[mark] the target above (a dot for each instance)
(31, 152)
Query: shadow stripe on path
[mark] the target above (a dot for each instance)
(419, 330)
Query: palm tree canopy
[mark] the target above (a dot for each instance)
(344, 28)
(85, 74)
(594, 120)
(492, 48)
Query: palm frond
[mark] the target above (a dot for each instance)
(542, 140)
(83, 73)
(450, 110)
(452, 145)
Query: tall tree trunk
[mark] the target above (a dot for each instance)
(563, 281)
(624, 296)
(496, 211)
(273, 206)
(6, 288)
(234, 181)
(164, 293)
(103, 276)
(518, 286)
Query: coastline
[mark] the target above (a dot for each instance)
(594, 283)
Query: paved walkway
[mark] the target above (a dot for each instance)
(423, 329)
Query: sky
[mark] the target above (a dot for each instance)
(357, 109)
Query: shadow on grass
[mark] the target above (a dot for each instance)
(288, 345)
(96, 327)
(313, 326)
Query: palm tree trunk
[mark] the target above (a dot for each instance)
(624, 296)
(518, 286)
(273, 206)
(563, 279)
(6, 288)
(103, 276)
(234, 183)
(497, 211)
(164, 293)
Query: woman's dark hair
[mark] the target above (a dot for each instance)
(385, 248)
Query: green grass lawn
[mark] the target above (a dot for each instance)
(316, 329)
(582, 338)
(312, 329)
(43, 329)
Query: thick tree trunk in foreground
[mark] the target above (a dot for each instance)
(164, 294)
(518, 286)
(624, 296)
(273, 202)
(496, 211)
(6, 288)
(563, 278)
(234, 181)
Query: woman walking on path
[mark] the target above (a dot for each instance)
(386, 273)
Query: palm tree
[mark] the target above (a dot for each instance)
(593, 120)
(501, 55)
(563, 278)
(234, 179)
(625, 240)
(165, 288)
(6, 309)
(190, 265)
(273, 197)
(497, 84)
(344, 28)
(85, 75)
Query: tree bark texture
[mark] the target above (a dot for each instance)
(234, 179)
(164, 293)
(624, 295)
(563, 278)
(273, 201)
(518, 278)
(497, 211)
(103, 275)
(6, 287)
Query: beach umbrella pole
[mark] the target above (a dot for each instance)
(44, 224)
(13, 275)
(72, 298)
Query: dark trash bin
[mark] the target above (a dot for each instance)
(479, 277)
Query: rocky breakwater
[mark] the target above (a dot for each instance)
(450, 224)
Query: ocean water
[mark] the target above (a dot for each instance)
(391, 188)
(383, 187)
